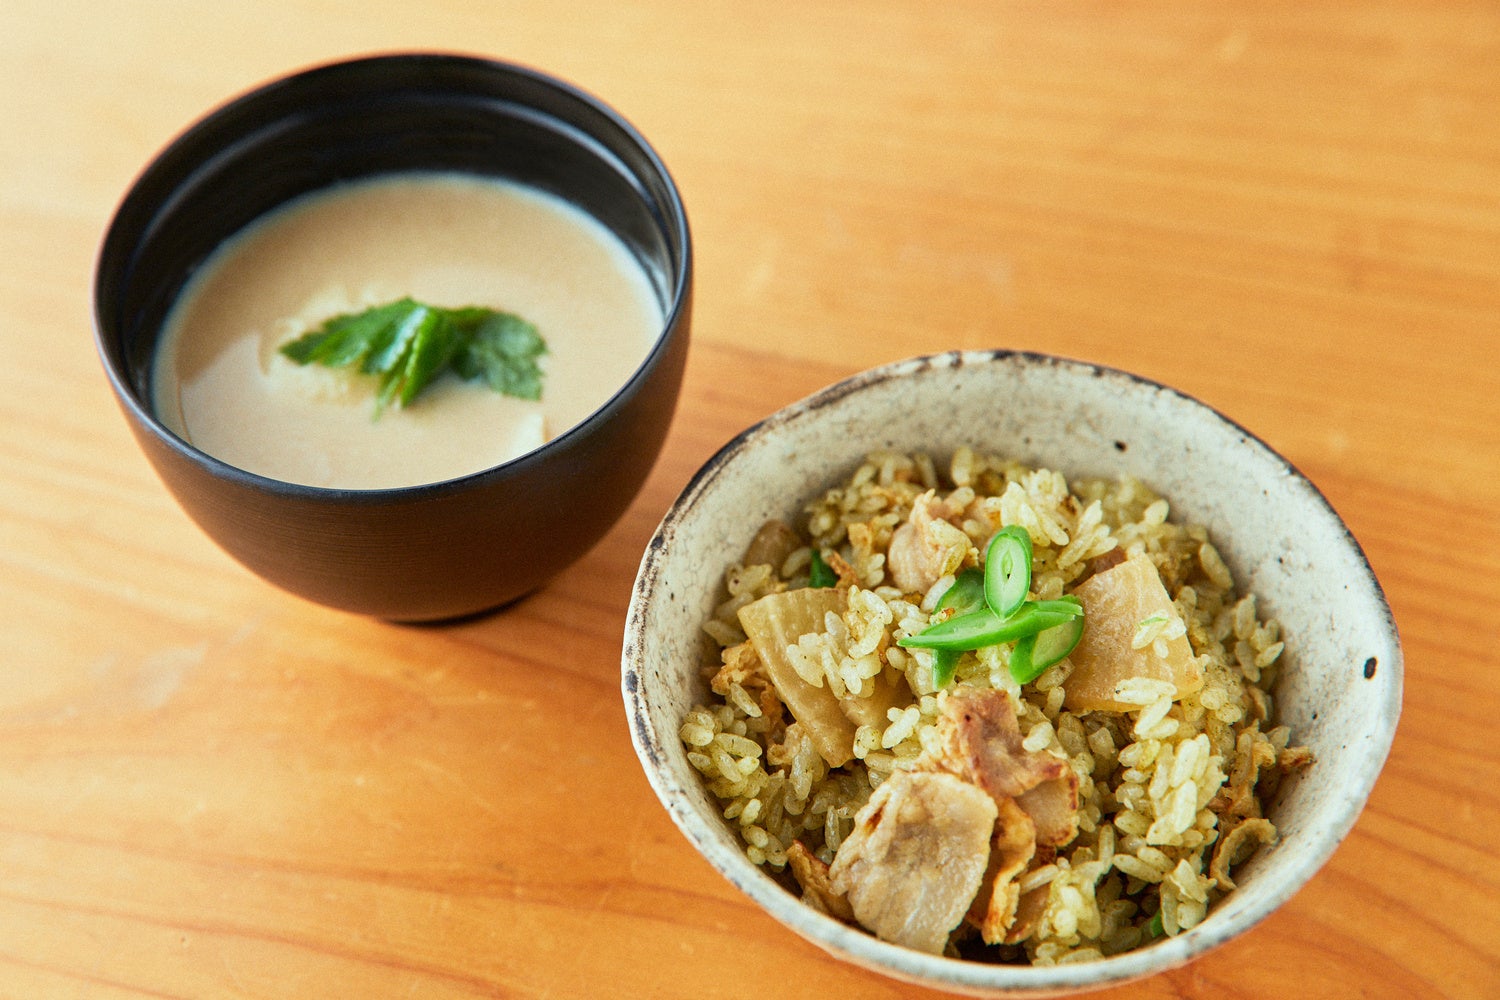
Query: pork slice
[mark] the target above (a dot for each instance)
(1029, 910)
(916, 857)
(980, 741)
(1237, 844)
(1011, 850)
(742, 666)
(1053, 808)
(1253, 754)
(812, 875)
(927, 547)
(841, 569)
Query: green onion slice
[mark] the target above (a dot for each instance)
(944, 663)
(1007, 570)
(983, 627)
(1036, 652)
(964, 595)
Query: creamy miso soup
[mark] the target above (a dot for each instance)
(449, 240)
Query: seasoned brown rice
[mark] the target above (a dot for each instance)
(1160, 787)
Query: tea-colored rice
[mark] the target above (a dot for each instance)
(1153, 782)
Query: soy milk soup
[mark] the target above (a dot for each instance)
(449, 240)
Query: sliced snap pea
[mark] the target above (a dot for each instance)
(964, 595)
(944, 663)
(985, 628)
(1007, 570)
(1036, 652)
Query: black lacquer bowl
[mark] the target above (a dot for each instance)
(445, 549)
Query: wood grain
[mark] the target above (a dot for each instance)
(211, 789)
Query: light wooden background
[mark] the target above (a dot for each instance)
(1291, 211)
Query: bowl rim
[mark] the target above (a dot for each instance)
(674, 221)
(859, 946)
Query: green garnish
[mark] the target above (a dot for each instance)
(985, 628)
(409, 344)
(820, 575)
(1044, 631)
(965, 594)
(944, 663)
(1036, 652)
(1154, 929)
(1007, 570)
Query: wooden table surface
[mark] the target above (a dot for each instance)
(209, 788)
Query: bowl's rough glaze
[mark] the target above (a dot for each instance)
(427, 552)
(1340, 690)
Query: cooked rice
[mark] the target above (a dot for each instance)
(1157, 786)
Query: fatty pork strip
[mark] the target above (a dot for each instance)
(1012, 847)
(813, 875)
(949, 838)
(1036, 795)
(980, 741)
(915, 860)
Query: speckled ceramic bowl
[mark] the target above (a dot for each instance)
(1341, 690)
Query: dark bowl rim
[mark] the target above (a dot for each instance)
(675, 215)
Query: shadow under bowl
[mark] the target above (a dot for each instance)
(444, 549)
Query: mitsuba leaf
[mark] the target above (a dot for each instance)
(820, 574)
(503, 352)
(407, 345)
(349, 339)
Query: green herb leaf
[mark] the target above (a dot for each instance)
(503, 351)
(348, 339)
(408, 345)
(820, 575)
